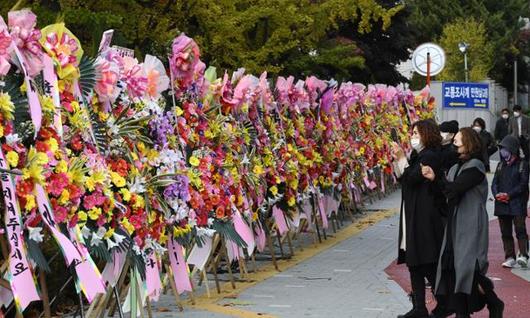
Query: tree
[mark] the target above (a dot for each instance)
(261, 35)
(479, 54)
(501, 20)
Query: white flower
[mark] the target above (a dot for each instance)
(138, 186)
(35, 233)
(111, 244)
(12, 139)
(86, 232)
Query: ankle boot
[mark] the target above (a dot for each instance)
(495, 306)
(418, 309)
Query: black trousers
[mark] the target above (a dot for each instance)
(417, 280)
(507, 223)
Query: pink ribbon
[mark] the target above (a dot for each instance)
(279, 218)
(89, 279)
(51, 79)
(152, 278)
(20, 275)
(179, 267)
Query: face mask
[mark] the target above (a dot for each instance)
(505, 154)
(505, 116)
(444, 135)
(477, 129)
(516, 114)
(416, 144)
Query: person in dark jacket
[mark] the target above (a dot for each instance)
(448, 130)
(463, 262)
(502, 127)
(510, 189)
(520, 128)
(488, 143)
(421, 225)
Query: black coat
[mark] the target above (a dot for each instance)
(502, 129)
(512, 180)
(488, 147)
(449, 157)
(423, 215)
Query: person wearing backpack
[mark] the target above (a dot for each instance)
(510, 189)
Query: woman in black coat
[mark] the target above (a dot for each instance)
(421, 226)
(488, 143)
(461, 275)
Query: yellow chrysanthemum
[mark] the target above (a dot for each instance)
(139, 203)
(12, 158)
(274, 190)
(194, 161)
(118, 180)
(178, 111)
(6, 106)
(97, 177)
(291, 201)
(30, 202)
(127, 226)
(81, 216)
(94, 213)
(126, 194)
(65, 197)
(109, 233)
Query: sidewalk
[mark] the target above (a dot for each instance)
(348, 279)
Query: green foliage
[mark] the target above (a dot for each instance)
(501, 22)
(480, 51)
(261, 35)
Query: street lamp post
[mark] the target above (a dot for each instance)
(463, 46)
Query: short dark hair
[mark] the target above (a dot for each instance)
(505, 110)
(429, 133)
(517, 107)
(480, 122)
(471, 141)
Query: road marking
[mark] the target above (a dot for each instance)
(280, 306)
(283, 275)
(263, 296)
(342, 270)
(373, 309)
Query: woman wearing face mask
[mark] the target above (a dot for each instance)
(510, 189)
(488, 144)
(448, 130)
(463, 259)
(421, 226)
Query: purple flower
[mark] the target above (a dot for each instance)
(179, 189)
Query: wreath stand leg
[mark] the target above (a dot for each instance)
(178, 301)
(273, 254)
(44, 292)
(228, 264)
(118, 291)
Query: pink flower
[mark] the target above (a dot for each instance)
(109, 73)
(185, 56)
(22, 25)
(57, 183)
(5, 43)
(94, 199)
(61, 213)
(64, 48)
(135, 77)
(157, 80)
